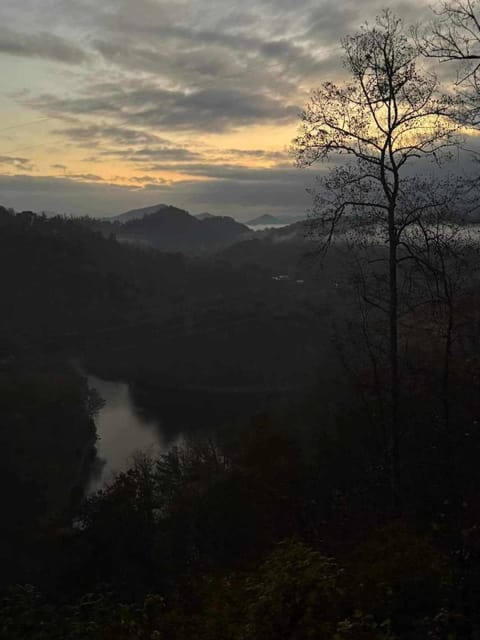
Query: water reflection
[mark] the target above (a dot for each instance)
(122, 431)
(169, 418)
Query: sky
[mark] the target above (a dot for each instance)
(109, 105)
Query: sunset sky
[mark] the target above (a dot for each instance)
(109, 105)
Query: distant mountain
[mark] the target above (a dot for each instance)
(263, 220)
(170, 229)
(286, 219)
(137, 214)
(204, 216)
(223, 231)
(276, 220)
(279, 250)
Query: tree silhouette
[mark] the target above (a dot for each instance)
(386, 120)
(454, 36)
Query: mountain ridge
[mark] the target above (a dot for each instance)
(138, 214)
(168, 228)
(274, 220)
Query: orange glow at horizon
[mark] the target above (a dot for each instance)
(48, 155)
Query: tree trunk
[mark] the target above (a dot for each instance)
(394, 369)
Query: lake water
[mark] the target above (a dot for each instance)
(122, 431)
(155, 421)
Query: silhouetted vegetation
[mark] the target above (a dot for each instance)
(171, 229)
(307, 399)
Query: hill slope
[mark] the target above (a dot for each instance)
(137, 214)
(172, 229)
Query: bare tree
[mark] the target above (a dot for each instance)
(454, 36)
(442, 253)
(386, 120)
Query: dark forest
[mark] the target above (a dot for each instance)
(314, 384)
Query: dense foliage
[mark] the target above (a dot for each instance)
(335, 500)
(283, 528)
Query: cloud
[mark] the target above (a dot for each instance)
(16, 163)
(274, 195)
(141, 103)
(130, 145)
(339, 19)
(194, 57)
(164, 153)
(93, 134)
(198, 66)
(259, 154)
(236, 172)
(160, 69)
(82, 195)
(147, 180)
(85, 177)
(40, 45)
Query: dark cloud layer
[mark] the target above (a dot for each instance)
(233, 172)
(148, 154)
(40, 45)
(141, 104)
(94, 133)
(151, 73)
(15, 163)
(129, 145)
(282, 192)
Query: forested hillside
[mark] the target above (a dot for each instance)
(307, 398)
